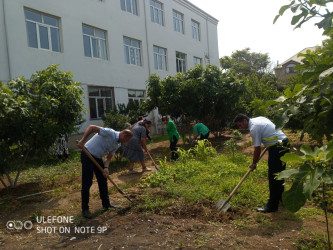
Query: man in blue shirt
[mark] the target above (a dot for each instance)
(262, 130)
(106, 141)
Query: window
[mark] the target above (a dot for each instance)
(195, 30)
(94, 42)
(290, 68)
(156, 12)
(100, 101)
(132, 50)
(136, 96)
(43, 31)
(181, 62)
(178, 22)
(160, 62)
(129, 6)
(197, 60)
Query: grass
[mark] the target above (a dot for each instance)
(212, 179)
(311, 241)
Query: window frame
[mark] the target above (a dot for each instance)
(133, 9)
(290, 68)
(99, 113)
(160, 59)
(178, 21)
(131, 48)
(195, 30)
(92, 38)
(136, 98)
(195, 60)
(180, 62)
(38, 27)
(157, 14)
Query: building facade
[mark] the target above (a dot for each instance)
(286, 70)
(110, 46)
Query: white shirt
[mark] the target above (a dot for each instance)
(106, 141)
(262, 130)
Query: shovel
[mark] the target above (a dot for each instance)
(223, 205)
(101, 169)
(157, 169)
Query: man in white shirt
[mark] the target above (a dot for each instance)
(106, 141)
(262, 130)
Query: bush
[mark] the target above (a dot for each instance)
(112, 119)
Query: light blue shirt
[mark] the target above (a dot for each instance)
(106, 141)
(262, 130)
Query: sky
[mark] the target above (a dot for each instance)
(249, 24)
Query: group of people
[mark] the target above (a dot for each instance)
(106, 141)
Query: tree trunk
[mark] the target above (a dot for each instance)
(3, 183)
(9, 179)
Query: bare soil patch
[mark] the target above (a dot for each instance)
(183, 227)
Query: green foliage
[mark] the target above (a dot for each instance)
(244, 63)
(112, 119)
(314, 168)
(231, 145)
(209, 180)
(312, 98)
(200, 94)
(258, 90)
(306, 10)
(132, 111)
(34, 112)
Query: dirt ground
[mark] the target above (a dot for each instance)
(179, 228)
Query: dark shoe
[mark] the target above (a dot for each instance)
(86, 213)
(111, 206)
(267, 209)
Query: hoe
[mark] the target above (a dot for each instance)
(223, 205)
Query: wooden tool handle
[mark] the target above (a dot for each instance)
(102, 170)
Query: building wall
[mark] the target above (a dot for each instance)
(107, 15)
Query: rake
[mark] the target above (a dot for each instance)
(223, 205)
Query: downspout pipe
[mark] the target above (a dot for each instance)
(6, 38)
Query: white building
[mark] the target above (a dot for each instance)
(111, 46)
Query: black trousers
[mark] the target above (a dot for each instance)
(88, 169)
(173, 148)
(202, 137)
(275, 165)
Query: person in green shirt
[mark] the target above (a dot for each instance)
(173, 136)
(200, 130)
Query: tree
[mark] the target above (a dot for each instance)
(204, 94)
(313, 99)
(305, 10)
(33, 114)
(243, 63)
(113, 119)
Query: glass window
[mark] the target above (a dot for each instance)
(136, 96)
(197, 60)
(290, 68)
(181, 62)
(160, 62)
(94, 42)
(178, 22)
(129, 6)
(156, 12)
(132, 51)
(42, 31)
(195, 30)
(32, 35)
(100, 101)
